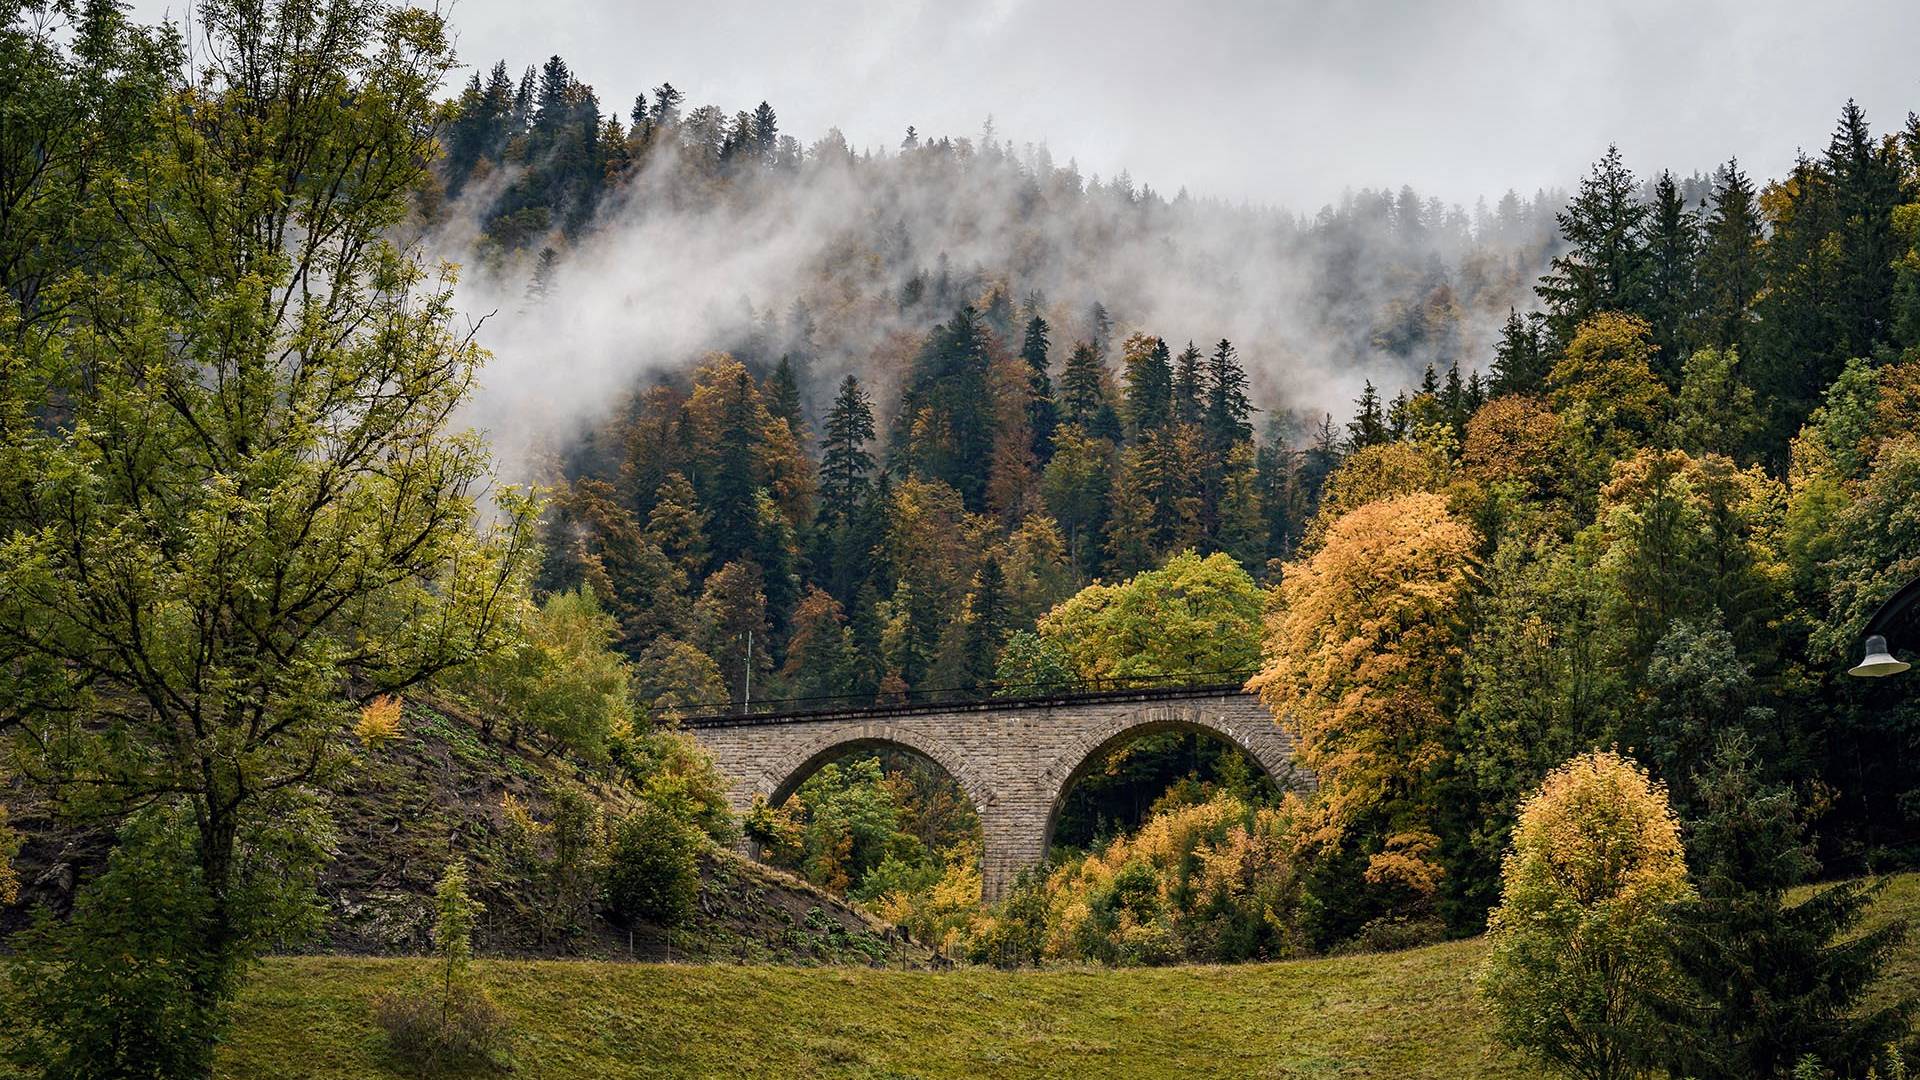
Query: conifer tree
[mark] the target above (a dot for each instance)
(733, 522)
(1187, 385)
(1149, 384)
(1521, 360)
(844, 461)
(1043, 416)
(677, 526)
(1730, 260)
(1605, 267)
(987, 627)
(1765, 980)
(1227, 407)
(783, 396)
(1866, 189)
(1083, 392)
(1673, 246)
(1368, 427)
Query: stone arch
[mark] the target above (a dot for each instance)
(1256, 734)
(779, 779)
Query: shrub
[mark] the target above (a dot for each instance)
(447, 1023)
(653, 871)
(1578, 936)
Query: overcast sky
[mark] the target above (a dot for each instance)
(1286, 102)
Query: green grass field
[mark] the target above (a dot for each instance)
(1406, 1014)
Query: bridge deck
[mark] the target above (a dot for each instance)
(969, 705)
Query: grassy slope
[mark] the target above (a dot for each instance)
(1390, 1015)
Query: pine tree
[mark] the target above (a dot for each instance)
(1605, 267)
(1100, 330)
(1673, 251)
(783, 397)
(1043, 416)
(1187, 386)
(1149, 384)
(1766, 981)
(1227, 406)
(844, 461)
(987, 627)
(1730, 260)
(1083, 391)
(765, 134)
(1520, 360)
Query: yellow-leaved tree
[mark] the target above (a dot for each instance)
(1362, 655)
(1596, 865)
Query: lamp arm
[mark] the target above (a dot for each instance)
(1900, 603)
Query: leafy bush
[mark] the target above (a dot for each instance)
(447, 1023)
(456, 1030)
(652, 871)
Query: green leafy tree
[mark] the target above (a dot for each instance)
(1578, 938)
(254, 455)
(1193, 616)
(653, 870)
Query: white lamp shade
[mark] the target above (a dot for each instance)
(1878, 662)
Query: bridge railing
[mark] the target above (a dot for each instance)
(956, 695)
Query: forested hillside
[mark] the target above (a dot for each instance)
(384, 476)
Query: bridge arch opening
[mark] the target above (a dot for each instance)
(1120, 777)
(871, 815)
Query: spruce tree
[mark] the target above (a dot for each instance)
(783, 396)
(1867, 188)
(1730, 260)
(1673, 251)
(1605, 267)
(1083, 392)
(1368, 427)
(844, 461)
(1227, 407)
(1520, 359)
(1187, 385)
(1043, 416)
(734, 522)
(987, 629)
(1766, 980)
(1149, 385)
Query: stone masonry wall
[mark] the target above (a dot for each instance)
(1015, 763)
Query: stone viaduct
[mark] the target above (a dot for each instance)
(1016, 759)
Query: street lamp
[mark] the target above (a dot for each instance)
(1879, 660)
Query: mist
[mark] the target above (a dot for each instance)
(683, 258)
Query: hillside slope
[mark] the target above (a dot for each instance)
(440, 787)
(1399, 1014)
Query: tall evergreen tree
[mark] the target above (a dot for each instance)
(1043, 416)
(734, 525)
(1730, 260)
(1866, 189)
(1368, 426)
(1766, 980)
(1187, 385)
(1605, 267)
(1227, 406)
(987, 627)
(844, 461)
(783, 396)
(1149, 384)
(1673, 251)
(1521, 360)
(1083, 391)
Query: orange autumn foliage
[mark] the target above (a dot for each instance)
(1360, 652)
